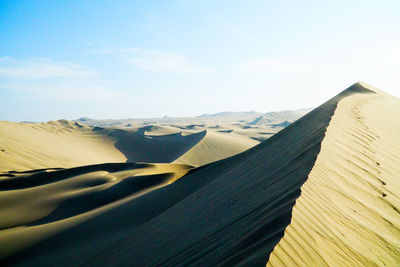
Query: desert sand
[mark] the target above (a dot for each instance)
(320, 192)
(195, 141)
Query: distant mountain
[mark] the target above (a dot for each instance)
(230, 114)
(246, 117)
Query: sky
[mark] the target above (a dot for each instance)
(142, 59)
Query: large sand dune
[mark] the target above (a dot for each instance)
(323, 191)
(348, 213)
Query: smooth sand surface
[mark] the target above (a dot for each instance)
(39, 204)
(26, 146)
(321, 192)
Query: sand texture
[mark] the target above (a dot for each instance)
(348, 213)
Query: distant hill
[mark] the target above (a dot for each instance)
(226, 117)
(230, 114)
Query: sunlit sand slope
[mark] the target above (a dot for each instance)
(348, 213)
(26, 146)
(215, 146)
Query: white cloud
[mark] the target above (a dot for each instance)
(155, 60)
(41, 68)
(64, 91)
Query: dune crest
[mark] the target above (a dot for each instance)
(239, 215)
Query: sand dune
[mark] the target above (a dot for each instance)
(215, 146)
(64, 144)
(67, 144)
(138, 146)
(53, 144)
(321, 192)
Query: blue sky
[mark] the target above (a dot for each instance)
(132, 59)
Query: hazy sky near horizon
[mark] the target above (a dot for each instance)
(135, 59)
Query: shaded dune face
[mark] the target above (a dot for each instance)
(30, 179)
(139, 147)
(49, 201)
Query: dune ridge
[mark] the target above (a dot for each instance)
(239, 216)
(348, 211)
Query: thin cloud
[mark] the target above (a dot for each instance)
(64, 91)
(155, 60)
(264, 65)
(41, 68)
(46, 79)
